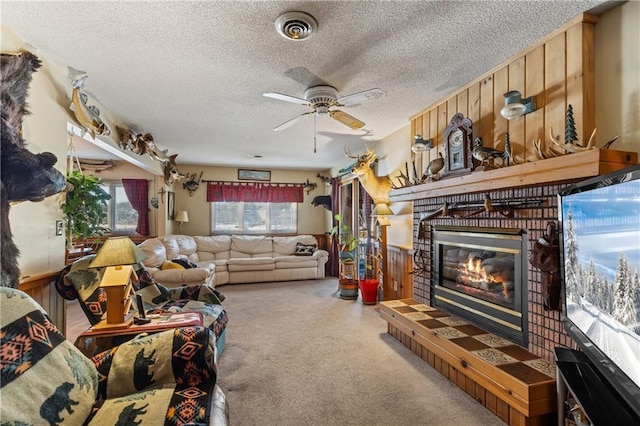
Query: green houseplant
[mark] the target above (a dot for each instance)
(85, 207)
(347, 245)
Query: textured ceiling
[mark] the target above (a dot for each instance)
(193, 73)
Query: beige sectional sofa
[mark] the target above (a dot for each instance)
(233, 259)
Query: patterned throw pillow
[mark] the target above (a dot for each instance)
(304, 249)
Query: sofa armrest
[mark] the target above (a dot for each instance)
(178, 277)
(321, 253)
(183, 356)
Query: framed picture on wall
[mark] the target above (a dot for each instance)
(171, 201)
(263, 175)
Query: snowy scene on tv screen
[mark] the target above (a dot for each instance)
(601, 232)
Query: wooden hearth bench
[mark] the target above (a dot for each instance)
(517, 386)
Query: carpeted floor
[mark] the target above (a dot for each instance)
(297, 354)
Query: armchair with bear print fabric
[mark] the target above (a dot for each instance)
(165, 378)
(78, 281)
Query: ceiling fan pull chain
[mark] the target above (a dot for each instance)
(315, 131)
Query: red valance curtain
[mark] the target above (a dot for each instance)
(137, 191)
(255, 192)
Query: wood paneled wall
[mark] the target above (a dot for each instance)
(42, 289)
(558, 70)
(399, 283)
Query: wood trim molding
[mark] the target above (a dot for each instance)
(41, 288)
(589, 163)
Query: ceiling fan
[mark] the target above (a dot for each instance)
(321, 98)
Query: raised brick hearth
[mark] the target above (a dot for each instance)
(545, 327)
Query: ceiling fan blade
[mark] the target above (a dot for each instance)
(291, 122)
(358, 98)
(346, 119)
(286, 98)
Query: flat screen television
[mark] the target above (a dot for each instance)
(600, 248)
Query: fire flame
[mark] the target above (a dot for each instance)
(474, 271)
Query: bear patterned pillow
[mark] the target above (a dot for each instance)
(304, 249)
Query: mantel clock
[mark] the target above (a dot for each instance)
(457, 146)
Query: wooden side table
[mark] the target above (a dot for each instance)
(97, 339)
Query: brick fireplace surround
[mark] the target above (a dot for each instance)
(516, 394)
(546, 329)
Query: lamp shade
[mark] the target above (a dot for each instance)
(117, 251)
(182, 216)
(381, 209)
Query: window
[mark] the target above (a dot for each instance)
(254, 218)
(121, 217)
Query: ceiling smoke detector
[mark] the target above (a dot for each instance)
(296, 25)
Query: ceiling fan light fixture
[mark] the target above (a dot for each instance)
(296, 26)
(322, 110)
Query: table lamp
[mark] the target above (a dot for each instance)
(118, 254)
(181, 217)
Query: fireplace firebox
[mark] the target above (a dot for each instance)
(481, 276)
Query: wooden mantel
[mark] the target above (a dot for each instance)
(559, 169)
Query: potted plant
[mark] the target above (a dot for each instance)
(368, 281)
(347, 244)
(85, 208)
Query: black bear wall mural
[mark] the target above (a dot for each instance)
(25, 176)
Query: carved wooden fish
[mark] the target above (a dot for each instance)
(88, 117)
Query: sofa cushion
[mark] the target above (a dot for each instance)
(213, 243)
(239, 255)
(221, 265)
(251, 264)
(289, 262)
(206, 256)
(179, 245)
(155, 251)
(252, 245)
